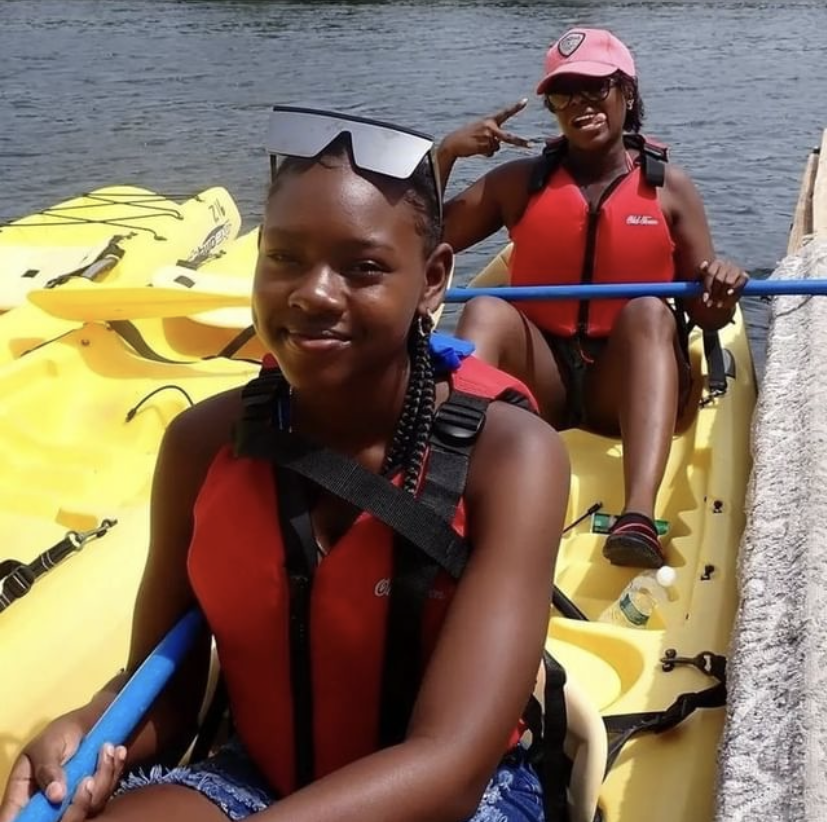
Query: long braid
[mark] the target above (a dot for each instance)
(410, 439)
(422, 383)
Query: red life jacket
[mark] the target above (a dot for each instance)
(560, 240)
(238, 566)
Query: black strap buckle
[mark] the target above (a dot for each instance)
(260, 402)
(261, 390)
(652, 159)
(18, 583)
(706, 662)
(459, 420)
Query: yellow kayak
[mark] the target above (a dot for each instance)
(670, 775)
(81, 426)
(76, 460)
(114, 237)
(211, 299)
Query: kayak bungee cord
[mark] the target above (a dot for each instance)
(130, 415)
(59, 215)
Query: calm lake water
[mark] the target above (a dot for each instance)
(174, 95)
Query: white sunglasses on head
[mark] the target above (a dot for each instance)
(378, 147)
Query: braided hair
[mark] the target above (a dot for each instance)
(410, 439)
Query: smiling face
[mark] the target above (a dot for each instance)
(591, 111)
(343, 270)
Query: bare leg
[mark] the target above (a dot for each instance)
(506, 339)
(636, 385)
(162, 803)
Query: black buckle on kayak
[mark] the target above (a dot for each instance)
(18, 583)
(706, 662)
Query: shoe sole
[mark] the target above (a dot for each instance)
(629, 552)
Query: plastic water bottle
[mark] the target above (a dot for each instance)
(638, 600)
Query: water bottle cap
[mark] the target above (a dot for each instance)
(666, 576)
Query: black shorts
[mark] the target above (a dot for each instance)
(576, 355)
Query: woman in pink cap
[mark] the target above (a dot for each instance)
(599, 205)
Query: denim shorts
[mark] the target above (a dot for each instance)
(230, 780)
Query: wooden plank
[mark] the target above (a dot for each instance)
(820, 192)
(803, 215)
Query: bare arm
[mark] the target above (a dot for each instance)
(165, 593)
(187, 451)
(695, 255)
(484, 207)
(483, 668)
(495, 200)
(188, 447)
(482, 137)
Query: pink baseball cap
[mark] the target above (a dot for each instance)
(589, 52)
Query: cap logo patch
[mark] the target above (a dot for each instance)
(570, 43)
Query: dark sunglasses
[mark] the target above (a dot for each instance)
(594, 90)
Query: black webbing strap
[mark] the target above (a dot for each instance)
(259, 400)
(652, 159)
(300, 563)
(548, 162)
(716, 367)
(654, 170)
(456, 427)
(235, 344)
(105, 261)
(351, 482)
(555, 767)
(17, 577)
(130, 334)
(622, 727)
(412, 580)
(567, 607)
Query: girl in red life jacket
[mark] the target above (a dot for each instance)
(350, 265)
(595, 207)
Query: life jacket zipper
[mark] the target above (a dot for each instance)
(587, 274)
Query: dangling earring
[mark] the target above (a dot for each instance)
(424, 326)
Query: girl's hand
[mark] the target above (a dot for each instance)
(723, 282)
(485, 136)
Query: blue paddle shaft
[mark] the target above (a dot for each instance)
(122, 716)
(629, 290)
